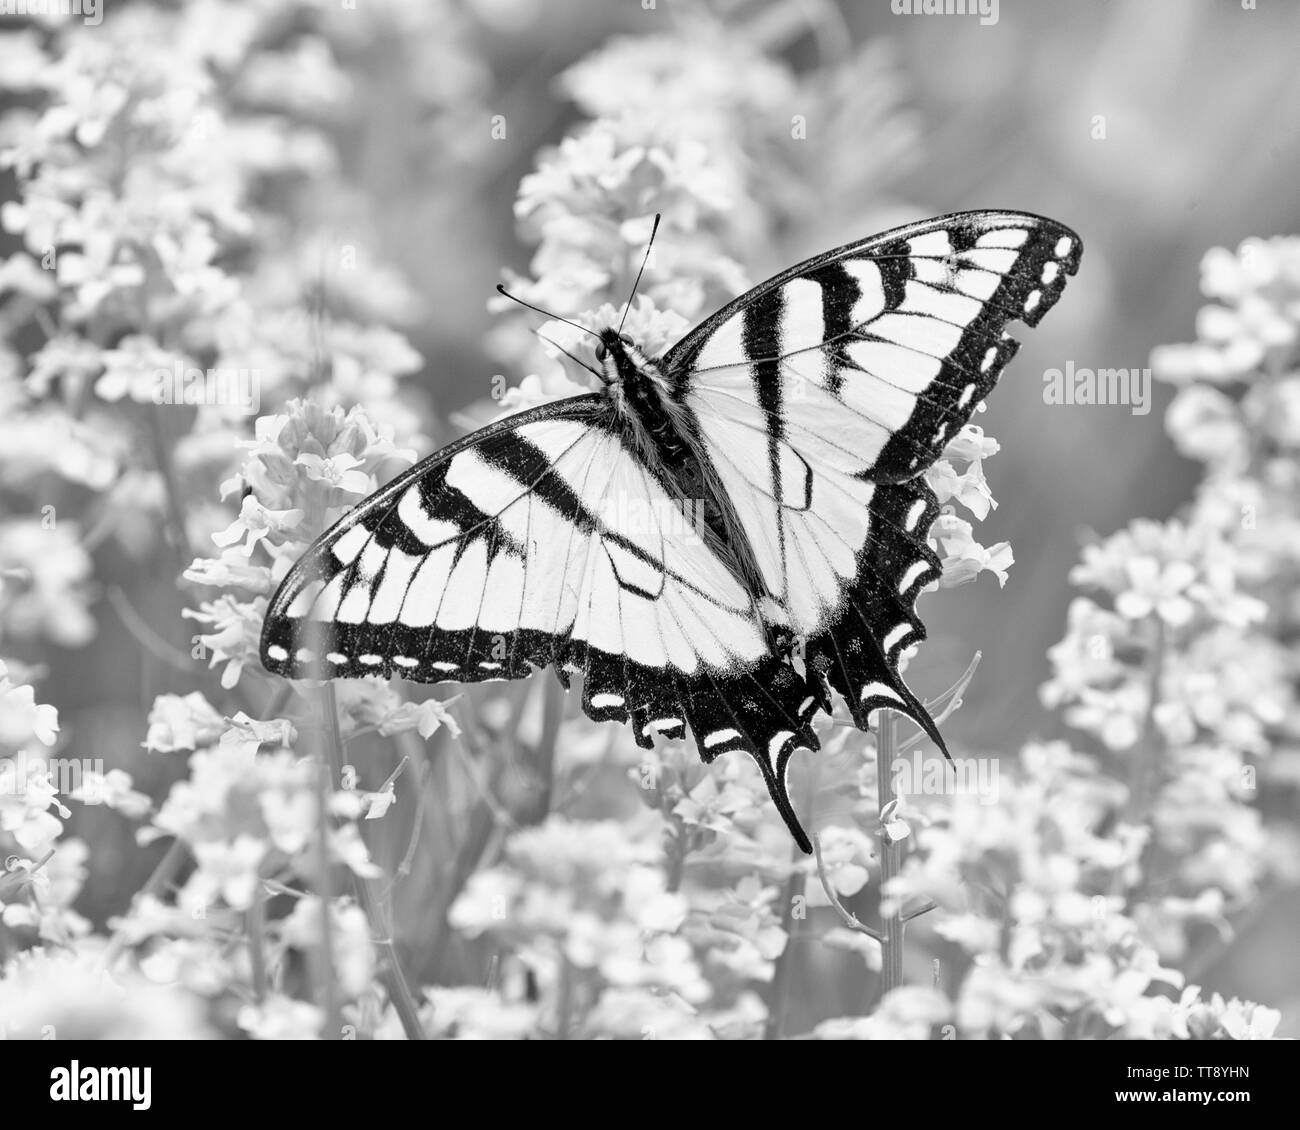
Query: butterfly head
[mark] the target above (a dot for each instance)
(615, 351)
(624, 367)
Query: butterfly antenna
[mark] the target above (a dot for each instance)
(650, 244)
(546, 313)
(571, 357)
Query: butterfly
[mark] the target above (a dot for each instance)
(718, 538)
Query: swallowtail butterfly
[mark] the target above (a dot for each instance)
(721, 535)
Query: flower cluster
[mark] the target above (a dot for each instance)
(43, 873)
(179, 173)
(612, 950)
(1105, 871)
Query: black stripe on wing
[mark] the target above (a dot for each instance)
(970, 371)
(949, 274)
(764, 710)
(296, 647)
(858, 653)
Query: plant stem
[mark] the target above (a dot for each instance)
(163, 460)
(404, 1003)
(849, 919)
(255, 923)
(544, 762)
(795, 887)
(891, 859)
(327, 983)
(163, 874)
(783, 973)
(381, 932)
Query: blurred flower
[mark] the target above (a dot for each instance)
(182, 722)
(114, 790)
(354, 954)
(1234, 1019)
(425, 717)
(1154, 590)
(280, 1017)
(45, 577)
(67, 995)
(21, 717)
(1258, 323)
(468, 1013)
(908, 1013)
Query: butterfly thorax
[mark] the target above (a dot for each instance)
(639, 391)
(662, 432)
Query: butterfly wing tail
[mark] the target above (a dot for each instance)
(766, 712)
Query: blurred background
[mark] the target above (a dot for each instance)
(365, 167)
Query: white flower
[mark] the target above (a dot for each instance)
(354, 953)
(1157, 589)
(279, 1017)
(229, 571)
(238, 629)
(226, 869)
(426, 717)
(114, 790)
(67, 994)
(21, 717)
(246, 735)
(338, 471)
(187, 722)
(257, 523)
